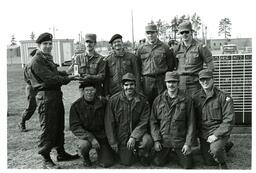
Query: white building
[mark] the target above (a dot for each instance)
(62, 51)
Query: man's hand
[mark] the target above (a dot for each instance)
(86, 77)
(95, 144)
(74, 77)
(186, 150)
(131, 144)
(212, 138)
(114, 147)
(157, 146)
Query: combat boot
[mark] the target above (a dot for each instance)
(223, 166)
(48, 163)
(64, 156)
(87, 162)
(228, 146)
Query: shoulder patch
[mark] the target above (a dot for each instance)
(228, 98)
(203, 45)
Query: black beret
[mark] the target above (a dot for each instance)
(44, 37)
(116, 36)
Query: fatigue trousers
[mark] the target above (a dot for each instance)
(164, 156)
(153, 86)
(189, 84)
(213, 153)
(51, 117)
(105, 153)
(31, 103)
(143, 148)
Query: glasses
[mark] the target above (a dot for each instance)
(184, 32)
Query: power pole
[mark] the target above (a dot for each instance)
(133, 46)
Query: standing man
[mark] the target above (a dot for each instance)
(126, 123)
(87, 124)
(47, 81)
(91, 66)
(31, 99)
(172, 123)
(155, 58)
(191, 56)
(215, 119)
(118, 63)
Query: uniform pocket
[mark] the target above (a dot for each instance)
(216, 112)
(93, 69)
(194, 58)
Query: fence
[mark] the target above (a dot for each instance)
(233, 74)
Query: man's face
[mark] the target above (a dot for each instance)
(46, 47)
(89, 45)
(151, 36)
(186, 35)
(89, 93)
(206, 83)
(129, 87)
(172, 86)
(117, 44)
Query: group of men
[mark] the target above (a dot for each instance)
(144, 106)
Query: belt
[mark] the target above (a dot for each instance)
(188, 74)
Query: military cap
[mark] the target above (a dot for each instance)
(114, 37)
(205, 74)
(185, 26)
(128, 77)
(87, 84)
(172, 76)
(91, 37)
(151, 27)
(44, 37)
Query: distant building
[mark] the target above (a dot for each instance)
(62, 51)
(13, 54)
(243, 44)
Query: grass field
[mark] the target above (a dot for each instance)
(22, 147)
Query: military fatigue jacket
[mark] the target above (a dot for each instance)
(173, 124)
(125, 119)
(215, 113)
(191, 59)
(94, 66)
(116, 67)
(87, 120)
(155, 59)
(43, 73)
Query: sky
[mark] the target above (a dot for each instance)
(106, 18)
